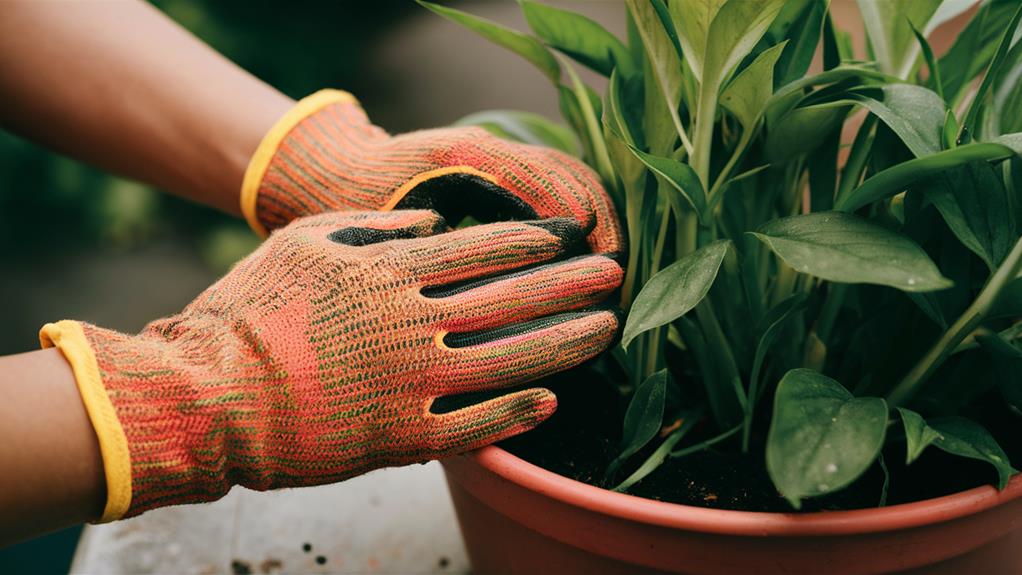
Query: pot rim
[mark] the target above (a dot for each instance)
(754, 523)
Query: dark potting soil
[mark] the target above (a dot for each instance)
(581, 439)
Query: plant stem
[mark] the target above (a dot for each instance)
(703, 138)
(958, 331)
(743, 143)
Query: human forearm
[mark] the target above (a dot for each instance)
(120, 85)
(53, 473)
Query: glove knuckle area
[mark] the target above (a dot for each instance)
(484, 251)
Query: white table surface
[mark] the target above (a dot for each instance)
(388, 521)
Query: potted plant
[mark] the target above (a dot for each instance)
(820, 368)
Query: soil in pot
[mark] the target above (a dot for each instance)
(582, 437)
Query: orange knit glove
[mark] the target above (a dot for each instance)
(324, 155)
(319, 356)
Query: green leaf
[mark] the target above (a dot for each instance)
(747, 94)
(643, 418)
(821, 437)
(522, 44)
(681, 177)
(918, 435)
(966, 438)
(931, 62)
(914, 113)
(734, 31)
(692, 21)
(979, 101)
(951, 128)
(663, 60)
(1007, 93)
(844, 248)
(579, 37)
(804, 36)
(889, 27)
(974, 47)
(675, 290)
(973, 201)
(802, 131)
(524, 127)
(896, 179)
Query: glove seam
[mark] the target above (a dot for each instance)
(267, 149)
(69, 338)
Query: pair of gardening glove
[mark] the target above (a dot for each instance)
(319, 356)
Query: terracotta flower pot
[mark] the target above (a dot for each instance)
(519, 518)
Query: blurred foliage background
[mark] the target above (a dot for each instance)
(81, 243)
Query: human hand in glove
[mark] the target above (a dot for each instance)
(319, 356)
(325, 155)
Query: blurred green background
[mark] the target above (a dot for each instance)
(80, 243)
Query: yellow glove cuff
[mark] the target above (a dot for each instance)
(271, 141)
(68, 337)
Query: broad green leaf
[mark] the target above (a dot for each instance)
(524, 127)
(675, 290)
(974, 47)
(692, 22)
(643, 417)
(734, 31)
(821, 437)
(522, 44)
(747, 94)
(918, 435)
(802, 131)
(889, 27)
(803, 38)
(579, 37)
(844, 248)
(897, 179)
(914, 113)
(973, 201)
(681, 177)
(966, 438)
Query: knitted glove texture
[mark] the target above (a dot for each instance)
(325, 155)
(319, 356)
